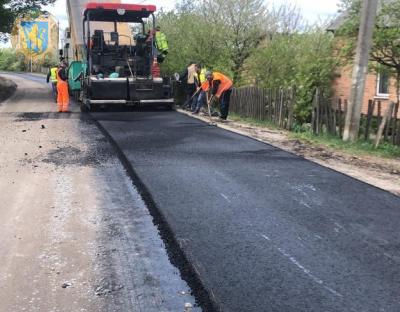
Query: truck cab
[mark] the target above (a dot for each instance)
(120, 66)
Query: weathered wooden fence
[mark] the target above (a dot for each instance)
(274, 105)
(328, 114)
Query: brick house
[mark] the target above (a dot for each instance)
(378, 86)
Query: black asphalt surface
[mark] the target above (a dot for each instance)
(264, 229)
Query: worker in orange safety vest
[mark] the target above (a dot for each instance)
(220, 86)
(62, 88)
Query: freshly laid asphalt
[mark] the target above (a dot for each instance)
(265, 230)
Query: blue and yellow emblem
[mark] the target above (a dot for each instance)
(34, 36)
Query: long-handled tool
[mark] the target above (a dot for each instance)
(209, 101)
(191, 98)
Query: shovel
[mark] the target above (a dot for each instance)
(191, 98)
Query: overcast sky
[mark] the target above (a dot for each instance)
(312, 10)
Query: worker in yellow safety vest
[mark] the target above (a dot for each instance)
(202, 97)
(52, 77)
(161, 44)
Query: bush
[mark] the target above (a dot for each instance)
(303, 60)
(11, 61)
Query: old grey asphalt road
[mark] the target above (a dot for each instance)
(74, 233)
(264, 229)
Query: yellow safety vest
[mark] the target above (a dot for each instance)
(53, 74)
(202, 75)
(161, 42)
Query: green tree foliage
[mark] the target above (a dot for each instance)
(221, 33)
(10, 61)
(251, 44)
(10, 9)
(302, 60)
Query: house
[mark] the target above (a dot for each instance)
(379, 87)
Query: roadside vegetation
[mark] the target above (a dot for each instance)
(11, 61)
(360, 147)
(272, 47)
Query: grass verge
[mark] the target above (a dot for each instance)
(360, 147)
(385, 150)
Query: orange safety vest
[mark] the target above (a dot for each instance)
(59, 80)
(225, 84)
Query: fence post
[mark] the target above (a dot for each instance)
(340, 117)
(318, 111)
(371, 107)
(395, 133)
(383, 124)
(334, 119)
(291, 108)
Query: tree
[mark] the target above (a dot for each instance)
(219, 33)
(11, 9)
(301, 59)
(243, 25)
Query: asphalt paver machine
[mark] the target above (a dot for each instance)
(121, 67)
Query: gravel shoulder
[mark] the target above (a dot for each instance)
(380, 172)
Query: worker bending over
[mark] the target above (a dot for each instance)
(220, 87)
(52, 77)
(62, 88)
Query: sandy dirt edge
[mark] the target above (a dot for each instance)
(380, 172)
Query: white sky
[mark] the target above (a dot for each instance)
(312, 10)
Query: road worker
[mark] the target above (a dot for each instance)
(202, 97)
(52, 77)
(62, 88)
(190, 77)
(220, 87)
(161, 44)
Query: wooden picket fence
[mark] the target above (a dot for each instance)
(273, 105)
(380, 122)
(328, 114)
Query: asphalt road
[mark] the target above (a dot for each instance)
(264, 230)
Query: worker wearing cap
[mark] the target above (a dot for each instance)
(62, 88)
(52, 77)
(220, 86)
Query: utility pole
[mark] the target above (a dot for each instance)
(352, 123)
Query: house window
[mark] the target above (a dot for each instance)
(382, 85)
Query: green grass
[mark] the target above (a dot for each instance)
(361, 147)
(385, 150)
